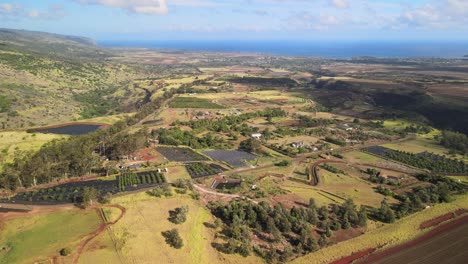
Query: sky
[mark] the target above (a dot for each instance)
(147, 20)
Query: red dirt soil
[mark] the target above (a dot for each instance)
(434, 232)
(442, 218)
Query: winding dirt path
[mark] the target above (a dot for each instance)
(102, 227)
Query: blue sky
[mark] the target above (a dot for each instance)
(242, 19)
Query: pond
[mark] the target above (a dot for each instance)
(69, 129)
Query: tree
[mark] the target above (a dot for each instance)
(173, 238)
(65, 251)
(89, 194)
(386, 213)
(251, 145)
(178, 215)
(362, 216)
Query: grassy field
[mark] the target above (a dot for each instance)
(100, 250)
(193, 102)
(39, 237)
(179, 172)
(111, 119)
(358, 156)
(349, 186)
(306, 192)
(146, 218)
(389, 235)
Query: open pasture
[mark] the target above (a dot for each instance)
(140, 232)
(35, 238)
(349, 185)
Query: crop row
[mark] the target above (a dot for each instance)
(129, 179)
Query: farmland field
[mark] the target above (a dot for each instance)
(349, 186)
(180, 154)
(449, 247)
(235, 158)
(40, 237)
(147, 217)
(197, 170)
(193, 102)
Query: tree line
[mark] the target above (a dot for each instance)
(79, 155)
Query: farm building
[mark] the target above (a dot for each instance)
(256, 135)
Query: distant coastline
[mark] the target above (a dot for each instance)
(326, 49)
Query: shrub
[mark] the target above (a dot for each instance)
(173, 238)
(65, 251)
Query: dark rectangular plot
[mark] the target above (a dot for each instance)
(235, 158)
(180, 154)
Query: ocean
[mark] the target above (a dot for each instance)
(326, 49)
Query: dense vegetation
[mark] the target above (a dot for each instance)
(455, 141)
(433, 162)
(233, 123)
(176, 137)
(289, 232)
(96, 102)
(439, 191)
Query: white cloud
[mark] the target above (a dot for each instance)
(148, 7)
(340, 3)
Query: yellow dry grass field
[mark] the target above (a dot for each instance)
(358, 156)
(389, 234)
(307, 191)
(16, 141)
(349, 186)
(140, 232)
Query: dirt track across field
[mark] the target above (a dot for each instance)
(102, 227)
